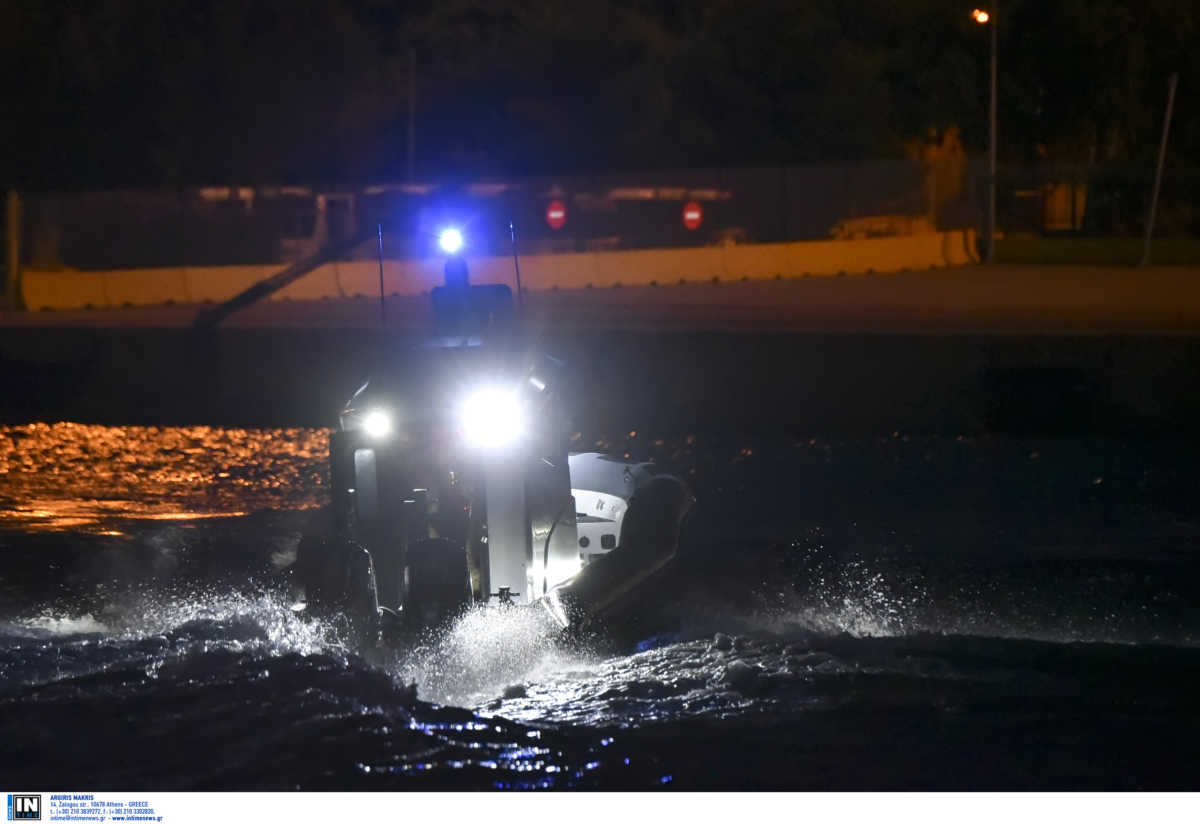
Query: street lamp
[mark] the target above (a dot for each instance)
(982, 17)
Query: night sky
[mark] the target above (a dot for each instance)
(127, 92)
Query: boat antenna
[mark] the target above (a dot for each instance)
(382, 308)
(512, 233)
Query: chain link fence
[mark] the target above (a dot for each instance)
(612, 211)
(1036, 205)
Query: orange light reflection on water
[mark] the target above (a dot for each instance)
(64, 476)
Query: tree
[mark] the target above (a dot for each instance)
(121, 92)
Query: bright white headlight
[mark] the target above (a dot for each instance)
(377, 423)
(492, 418)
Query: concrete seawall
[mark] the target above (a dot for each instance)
(193, 285)
(1065, 350)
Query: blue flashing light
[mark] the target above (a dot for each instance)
(451, 241)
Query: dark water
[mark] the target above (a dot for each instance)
(889, 613)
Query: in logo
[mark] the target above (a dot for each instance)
(24, 807)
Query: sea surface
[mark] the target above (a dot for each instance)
(897, 612)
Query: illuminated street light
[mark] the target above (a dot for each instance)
(981, 16)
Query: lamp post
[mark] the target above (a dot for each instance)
(982, 17)
(12, 252)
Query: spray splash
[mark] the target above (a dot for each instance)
(484, 652)
(155, 629)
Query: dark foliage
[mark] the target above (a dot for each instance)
(254, 91)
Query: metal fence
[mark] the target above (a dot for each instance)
(239, 225)
(1096, 200)
(245, 225)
